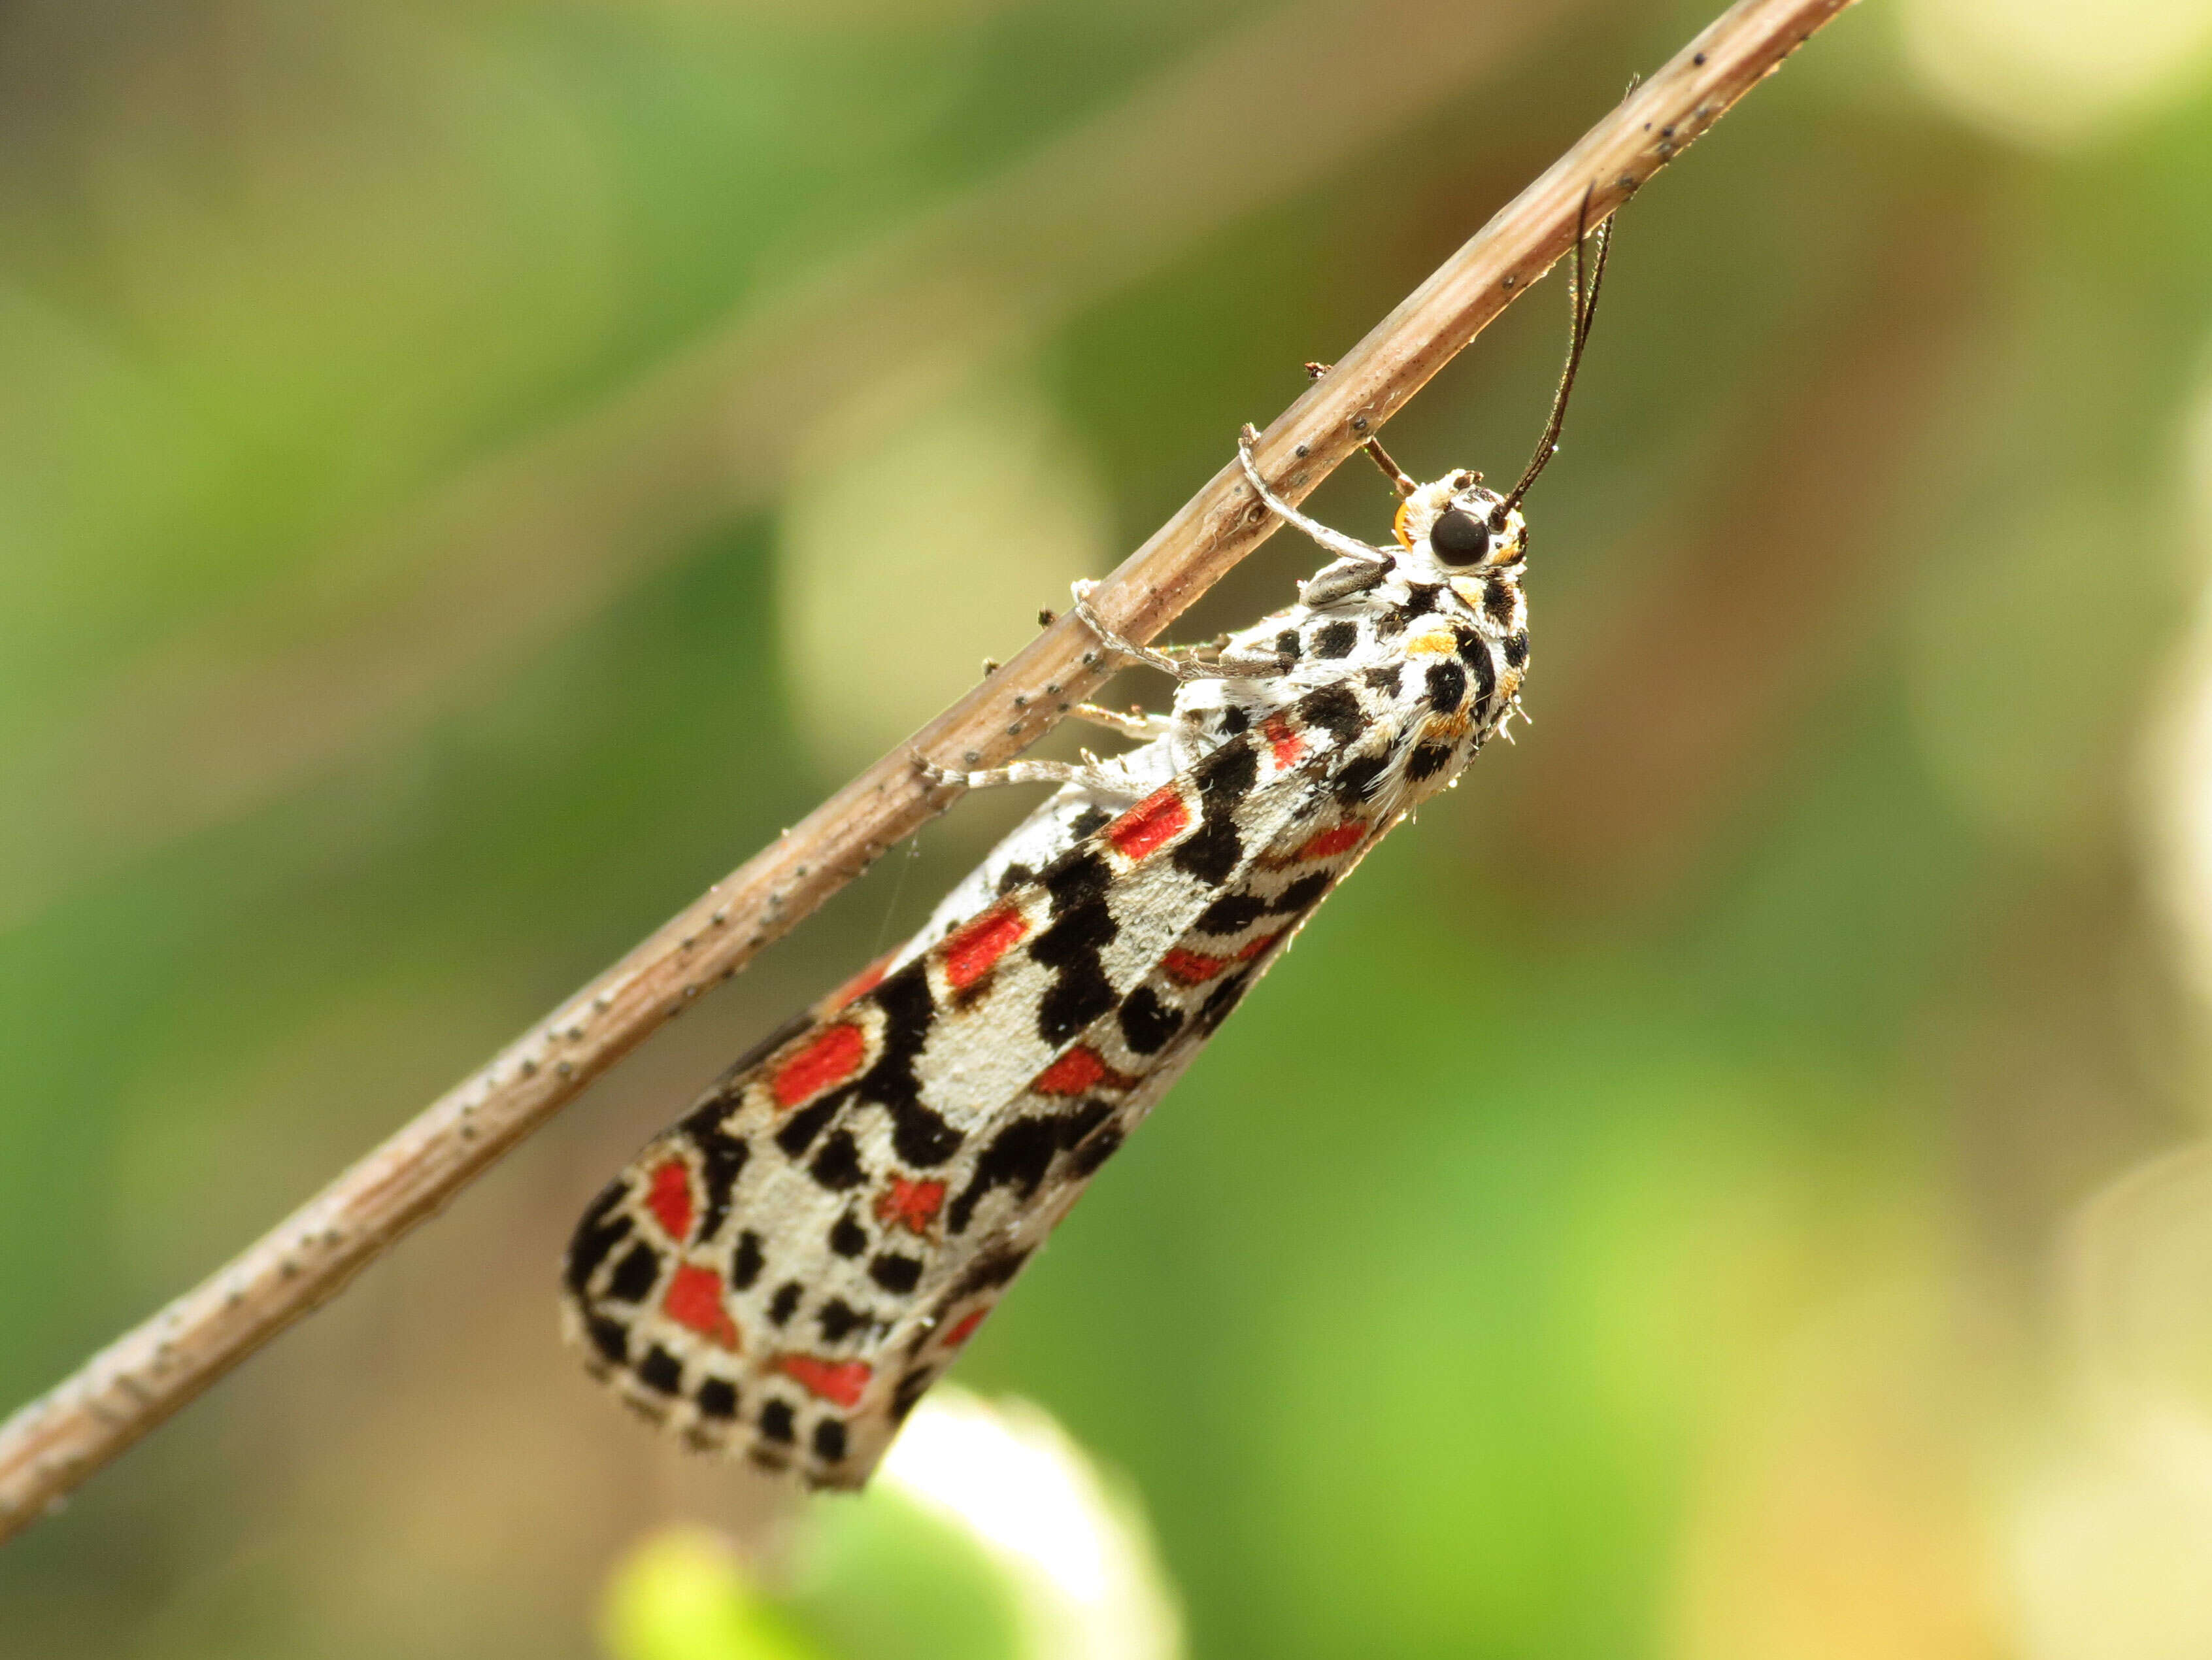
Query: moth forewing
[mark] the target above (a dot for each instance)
(789, 1267)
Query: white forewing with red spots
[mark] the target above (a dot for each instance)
(785, 1272)
(788, 1270)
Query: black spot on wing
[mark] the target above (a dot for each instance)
(1335, 640)
(745, 1263)
(1224, 779)
(1517, 649)
(1383, 678)
(1447, 684)
(1355, 778)
(1083, 925)
(1089, 822)
(837, 1166)
(660, 1371)
(721, 1159)
(609, 1337)
(839, 1320)
(1428, 760)
(775, 1421)
(1226, 776)
(846, 1236)
(920, 1137)
(799, 1133)
(1210, 852)
(1147, 1023)
(1080, 991)
(1074, 1127)
(1017, 1158)
(1498, 601)
(785, 1302)
(1076, 877)
(990, 1271)
(1302, 894)
(1334, 709)
(597, 1234)
(829, 1440)
(1096, 1152)
(1231, 913)
(1476, 655)
(1222, 1002)
(717, 1399)
(634, 1277)
(895, 1273)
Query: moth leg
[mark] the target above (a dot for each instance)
(1133, 725)
(1348, 547)
(1090, 773)
(1170, 662)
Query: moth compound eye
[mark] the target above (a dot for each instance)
(1459, 537)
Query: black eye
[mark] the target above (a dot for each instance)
(1459, 537)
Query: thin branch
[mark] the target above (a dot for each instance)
(135, 1383)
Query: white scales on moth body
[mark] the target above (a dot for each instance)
(785, 1271)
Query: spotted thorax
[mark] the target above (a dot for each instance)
(789, 1267)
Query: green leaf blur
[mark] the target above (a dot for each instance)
(681, 1596)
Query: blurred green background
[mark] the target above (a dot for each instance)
(470, 472)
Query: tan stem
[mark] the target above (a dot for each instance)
(139, 1380)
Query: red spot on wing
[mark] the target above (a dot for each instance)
(909, 1205)
(1151, 824)
(970, 953)
(839, 1382)
(1192, 967)
(964, 1329)
(1330, 842)
(694, 1300)
(860, 984)
(830, 1058)
(1288, 745)
(670, 1201)
(1195, 968)
(1080, 1069)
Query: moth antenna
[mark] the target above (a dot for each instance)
(1391, 470)
(1582, 292)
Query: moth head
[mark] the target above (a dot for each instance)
(1458, 526)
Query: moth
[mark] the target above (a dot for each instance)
(788, 1270)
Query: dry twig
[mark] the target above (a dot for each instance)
(138, 1380)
